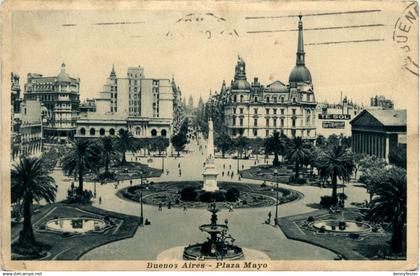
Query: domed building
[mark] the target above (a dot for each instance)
(254, 110)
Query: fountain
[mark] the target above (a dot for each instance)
(218, 247)
(210, 173)
(76, 225)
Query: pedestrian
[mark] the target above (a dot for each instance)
(169, 205)
(230, 166)
(226, 221)
(167, 171)
(131, 182)
(223, 166)
(223, 173)
(185, 207)
(231, 175)
(269, 215)
(239, 177)
(160, 206)
(100, 200)
(204, 164)
(255, 162)
(179, 165)
(242, 166)
(180, 172)
(231, 208)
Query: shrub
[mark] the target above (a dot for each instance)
(342, 196)
(263, 185)
(354, 236)
(107, 176)
(300, 181)
(322, 229)
(311, 219)
(327, 201)
(359, 219)
(188, 194)
(232, 195)
(74, 197)
(212, 196)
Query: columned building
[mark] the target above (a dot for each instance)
(377, 132)
(254, 110)
(60, 96)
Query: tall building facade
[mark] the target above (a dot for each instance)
(60, 96)
(142, 105)
(381, 102)
(254, 110)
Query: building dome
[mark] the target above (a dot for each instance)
(300, 74)
(241, 85)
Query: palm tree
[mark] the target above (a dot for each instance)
(276, 144)
(335, 163)
(126, 142)
(108, 150)
(390, 204)
(30, 181)
(297, 152)
(82, 157)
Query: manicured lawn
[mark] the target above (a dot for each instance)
(73, 247)
(368, 245)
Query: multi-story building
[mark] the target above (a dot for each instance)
(254, 110)
(88, 105)
(60, 95)
(110, 90)
(335, 118)
(14, 108)
(142, 105)
(381, 102)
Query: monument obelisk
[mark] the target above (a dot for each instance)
(210, 173)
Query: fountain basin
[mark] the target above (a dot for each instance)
(77, 225)
(209, 228)
(230, 252)
(338, 226)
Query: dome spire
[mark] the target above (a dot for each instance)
(113, 75)
(300, 54)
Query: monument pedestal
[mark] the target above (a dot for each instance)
(210, 178)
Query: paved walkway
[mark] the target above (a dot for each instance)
(174, 227)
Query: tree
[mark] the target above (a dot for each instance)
(256, 145)
(159, 143)
(223, 142)
(333, 140)
(275, 144)
(179, 141)
(297, 152)
(126, 142)
(241, 144)
(108, 150)
(336, 162)
(320, 141)
(398, 156)
(390, 205)
(30, 181)
(82, 156)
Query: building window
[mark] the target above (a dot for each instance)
(281, 122)
(234, 121)
(293, 112)
(255, 99)
(241, 110)
(274, 111)
(120, 132)
(92, 131)
(294, 100)
(241, 121)
(275, 99)
(138, 131)
(163, 132)
(82, 131)
(267, 99)
(293, 122)
(282, 99)
(308, 133)
(282, 111)
(293, 132)
(102, 132)
(308, 97)
(234, 132)
(267, 122)
(112, 131)
(154, 132)
(255, 111)
(255, 131)
(267, 132)
(234, 111)
(267, 111)
(241, 98)
(255, 122)
(234, 98)
(275, 122)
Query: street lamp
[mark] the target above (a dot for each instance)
(94, 188)
(277, 196)
(141, 199)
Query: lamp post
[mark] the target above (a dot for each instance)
(94, 188)
(141, 199)
(163, 163)
(277, 196)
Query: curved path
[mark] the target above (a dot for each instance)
(174, 227)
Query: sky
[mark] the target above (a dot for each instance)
(349, 46)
